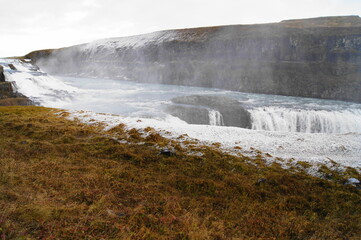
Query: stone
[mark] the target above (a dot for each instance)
(114, 214)
(260, 181)
(2, 76)
(353, 181)
(167, 152)
(12, 67)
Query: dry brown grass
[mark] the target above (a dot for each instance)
(60, 179)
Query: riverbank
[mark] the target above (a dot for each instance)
(63, 179)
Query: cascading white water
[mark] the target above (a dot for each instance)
(308, 121)
(215, 118)
(37, 85)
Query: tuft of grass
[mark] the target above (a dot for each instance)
(60, 179)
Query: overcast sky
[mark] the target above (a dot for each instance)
(27, 25)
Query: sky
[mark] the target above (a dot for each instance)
(27, 25)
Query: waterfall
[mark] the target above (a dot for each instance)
(268, 112)
(308, 121)
(38, 86)
(215, 118)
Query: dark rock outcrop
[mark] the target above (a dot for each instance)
(12, 67)
(189, 114)
(195, 110)
(6, 90)
(18, 101)
(318, 58)
(2, 77)
(9, 97)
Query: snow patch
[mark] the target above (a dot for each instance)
(132, 41)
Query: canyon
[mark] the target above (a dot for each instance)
(318, 58)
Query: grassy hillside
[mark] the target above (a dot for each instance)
(60, 179)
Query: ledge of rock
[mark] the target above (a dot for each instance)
(189, 114)
(2, 77)
(196, 109)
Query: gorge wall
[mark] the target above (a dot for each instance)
(318, 58)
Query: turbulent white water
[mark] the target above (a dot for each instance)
(215, 118)
(37, 85)
(308, 121)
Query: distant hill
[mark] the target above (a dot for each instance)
(319, 57)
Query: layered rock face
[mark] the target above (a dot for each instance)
(6, 89)
(8, 97)
(318, 58)
(2, 76)
(197, 109)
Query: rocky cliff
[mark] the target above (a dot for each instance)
(2, 76)
(318, 58)
(196, 109)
